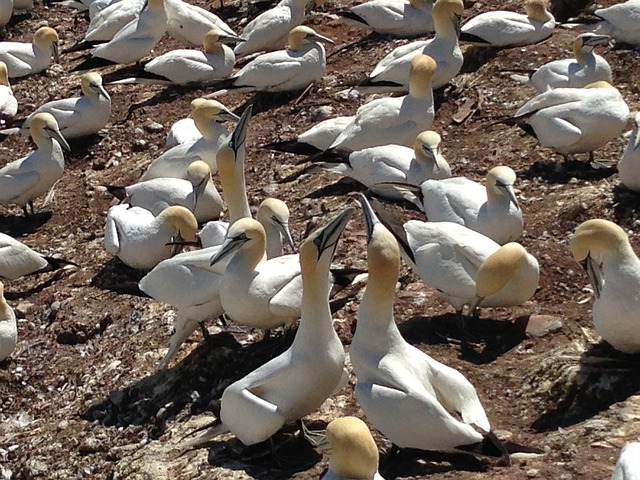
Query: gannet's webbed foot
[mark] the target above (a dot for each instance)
(205, 332)
(317, 438)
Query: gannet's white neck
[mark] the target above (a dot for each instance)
(231, 173)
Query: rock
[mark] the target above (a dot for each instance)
(139, 145)
(153, 127)
(541, 325)
(23, 309)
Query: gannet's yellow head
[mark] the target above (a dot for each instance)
(196, 102)
(181, 220)
(498, 268)
(245, 231)
(92, 83)
(318, 248)
(354, 454)
(214, 37)
(427, 144)
(447, 13)
(301, 36)
(45, 125)
(46, 38)
(206, 109)
(421, 72)
(500, 181)
(4, 74)
(275, 212)
(597, 237)
(198, 173)
(537, 10)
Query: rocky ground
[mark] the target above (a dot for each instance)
(79, 397)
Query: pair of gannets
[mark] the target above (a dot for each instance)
(8, 102)
(295, 68)
(628, 464)
(392, 72)
(574, 120)
(395, 120)
(613, 268)
(578, 72)
(28, 58)
(509, 29)
(190, 23)
(24, 180)
(393, 17)
(299, 380)
(8, 327)
(629, 163)
(411, 398)
(389, 163)
(18, 260)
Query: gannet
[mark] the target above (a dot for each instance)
(299, 380)
(76, 116)
(621, 21)
(28, 58)
(389, 163)
(395, 120)
(197, 193)
(17, 260)
(182, 67)
(392, 72)
(8, 327)
(185, 130)
(510, 29)
(133, 42)
(629, 163)
(270, 30)
(190, 23)
(295, 68)
(139, 238)
(24, 180)
(411, 398)
(354, 454)
(316, 139)
(465, 267)
(207, 116)
(109, 21)
(273, 215)
(585, 68)
(8, 102)
(392, 17)
(574, 120)
(628, 465)
(603, 249)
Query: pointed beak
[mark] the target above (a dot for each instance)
(55, 134)
(456, 20)
(239, 135)
(510, 192)
(594, 273)
(228, 116)
(99, 89)
(370, 218)
(321, 38)
(433, 154)
(230, 39)
(284, 232)
(598, 40)
(328, 235)
(230, 246)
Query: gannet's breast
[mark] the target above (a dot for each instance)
(190, 23)
(109, 21)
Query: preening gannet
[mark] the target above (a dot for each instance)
(574, 120)
(411, 398)
(410, 18)
(28, 58)
(303, 63)
(8, 102)
(613, 268)
(17, 260)
(299, 380)
(578, 72)
(392, 72)
(510, 29)
(189, 23)
(316, 139)
(629, 163)
(628, 464)
(139, 238)
(24, 180)
(354, 454)
(621, 21)
(8, 327)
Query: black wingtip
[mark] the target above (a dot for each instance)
(56, 264)
(349, 15)
(118, 192)
(81, 46)
(491, 446)
(394, 225)
(470, 38)
(293, 146)
(91, 63)
(337, 155)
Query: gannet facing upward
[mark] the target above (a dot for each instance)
(8, 102)
(389, 163)
(189, 23)
(354, 454)
(399, 18)
(18, 260)
(396, 120)
(28, 58)
(574, 120)
(24, 180)
(621, 21)
(509, 29)
(392, 72)
(628, 465)
(139, 238)
(410, 397)
(8, 327)
(303, 63)
(613, 268)
(299, 380)
(316, 139)
(629, 163)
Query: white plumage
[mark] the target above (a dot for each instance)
(8, 327)
(28, 58)
(393, 17)
(629, 163)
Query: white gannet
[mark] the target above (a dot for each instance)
(354, 454)
(316, 139)
(585, 68)
(295, 68)
(23, 180)
(273, 215)
(629, 163)
(269, 30)
(197, 193)
(465, 267)
(109, 21)
(510, 29)
(190, 23)
(139, 238)
(613, 268)
(28, 58)
(392, 72)
(389, 163)
(17, 260)
(299, 380)
(410, 18)
(621, 21)
(133, 42)
(182, 67)
(207, 116)
(628, 465)
(8, 102)
(76, 116)
(395, 120)
(185, 130)
(414, 400)
(8, 327)
(574, 120)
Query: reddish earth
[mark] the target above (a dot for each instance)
(79, 397)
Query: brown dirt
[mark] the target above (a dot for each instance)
(79, 399)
